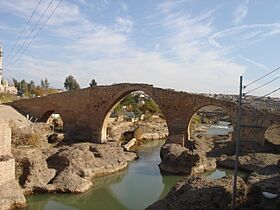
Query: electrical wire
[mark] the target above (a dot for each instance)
(29, 35)
(40, 29)
(261, 85)
(274, 91)
(23, 30)
(261, 77)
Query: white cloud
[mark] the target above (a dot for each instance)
(106, 52)
(259, 65)
(241, 11)
(245, 34)
(123, 24)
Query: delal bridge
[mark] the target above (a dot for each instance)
(85, 112)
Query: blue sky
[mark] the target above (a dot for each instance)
(190, 45)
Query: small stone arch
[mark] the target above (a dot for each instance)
(272, 134)
(46, 117)
(194, 111)
(115, 102)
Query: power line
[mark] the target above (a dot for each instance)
(271, 92)
(274, 91)
(34, 27)
(262, 77)
(262, 85)
(40, 29)
(23, 30)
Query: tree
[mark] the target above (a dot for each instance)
(93, 83)
(71, 83)
(31, 88)
(45, 83)
(16, 83)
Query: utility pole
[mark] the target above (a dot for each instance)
(233, 205)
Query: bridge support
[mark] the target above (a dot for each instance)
(249, 135)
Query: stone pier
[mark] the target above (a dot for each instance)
(10, 192)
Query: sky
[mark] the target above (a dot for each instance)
(190, 45)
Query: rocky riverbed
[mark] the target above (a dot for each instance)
(261, 162)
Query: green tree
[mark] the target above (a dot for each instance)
(93, 83)
(31, 88)
(71, 83)
(16, 83)
(45, 83)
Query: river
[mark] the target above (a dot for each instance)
(134, 188)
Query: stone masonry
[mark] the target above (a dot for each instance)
(7, 162)
(85, 112)
(11, 195)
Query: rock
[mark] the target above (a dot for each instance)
(78, 164)
(11, 196)
(250, 161)
(130, 144)
(69, 182)
(149, 130)
(266, 179)
(116, 129)
(55, 138)
(32, 169)
(198, 193)
(180, 160)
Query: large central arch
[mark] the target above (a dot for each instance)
(115, 102)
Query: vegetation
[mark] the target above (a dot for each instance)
(93, 83)
(196, 120)
(71, 83)
(31, 90)
(139, 105)
(6, 97)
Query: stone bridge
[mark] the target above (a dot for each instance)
(85, 112)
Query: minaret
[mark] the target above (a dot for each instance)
(1, 65)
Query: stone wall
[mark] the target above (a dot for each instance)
(7, 169)
(7, 162)
(5, 136)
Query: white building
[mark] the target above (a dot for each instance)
(4, 84)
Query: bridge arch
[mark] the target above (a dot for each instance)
(225, 109)
(272, 134)
(118, 98)
(53, 118)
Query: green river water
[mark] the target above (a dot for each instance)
(135, 188)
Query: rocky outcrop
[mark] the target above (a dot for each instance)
(186, 160)
(144, 130)
(68, 168)
(32, 169)
(116, 129)
(198, 193)
(250, 161)
(129, 144)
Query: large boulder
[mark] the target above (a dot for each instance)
(181, 160)
(198, 193)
